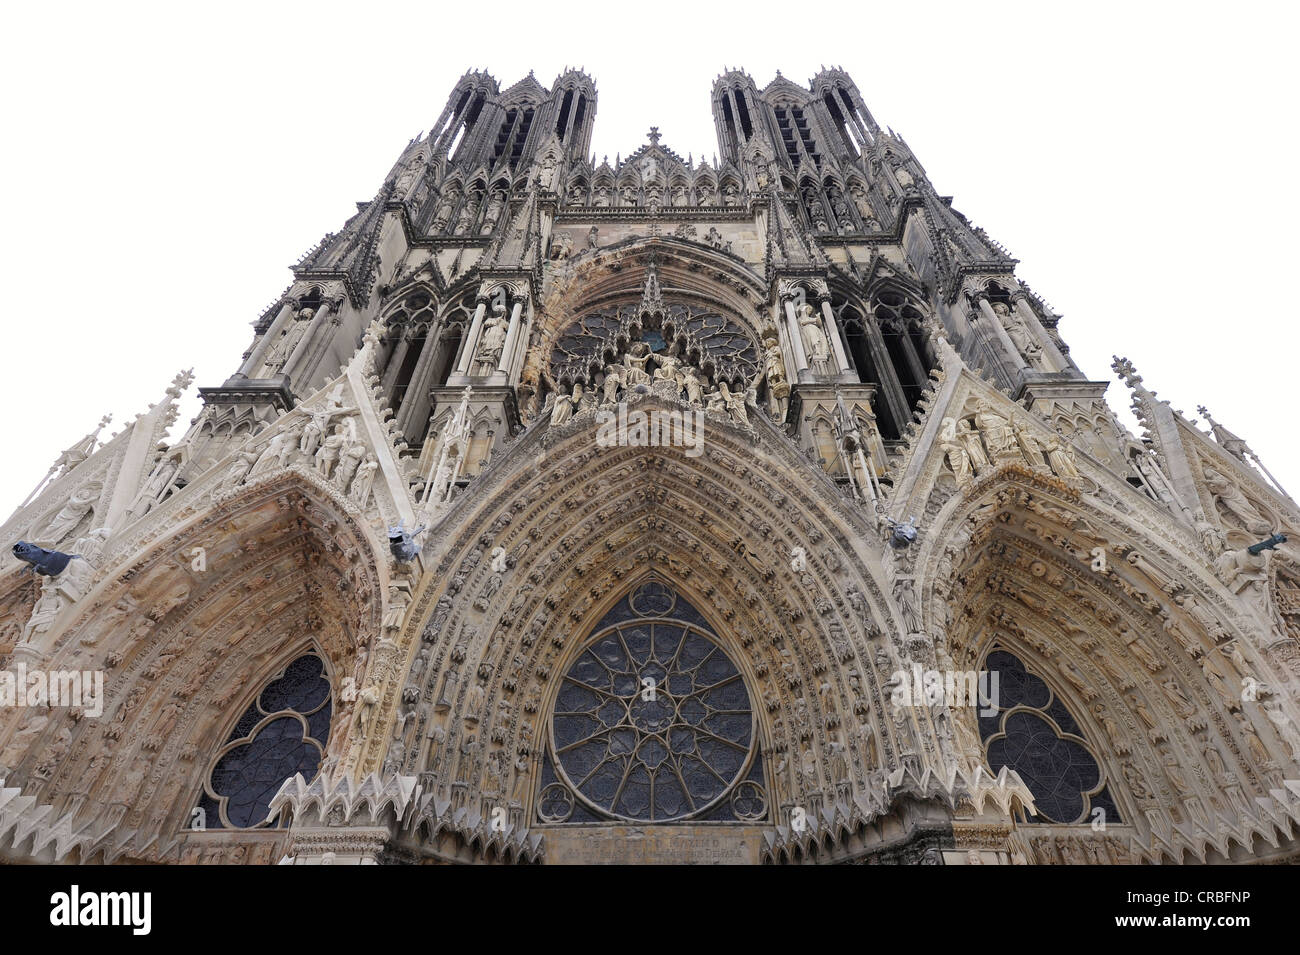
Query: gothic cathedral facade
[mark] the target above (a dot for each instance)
(666, 510)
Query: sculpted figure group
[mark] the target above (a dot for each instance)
(998, 439)
(667, 374)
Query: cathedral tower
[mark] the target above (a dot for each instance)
(663, 510)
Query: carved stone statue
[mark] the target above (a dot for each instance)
(1019, 333)
(694, 387)
(154, 486)
(493, 213)
(70, 515)
(1234, 502)
(491, 343)
(442, 215)
(996, 431)
(634, 360)
(778, 389)
(562, 410)
(735, 402)
(1060, 455)
(815, 343)
(613, 382)
(465, 221)
(359, 491)
(275, 454)
(328, 453)
(955, 452)
(1028, 442)
(970, 440)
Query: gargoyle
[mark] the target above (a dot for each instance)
(402, 544)
(51, 563)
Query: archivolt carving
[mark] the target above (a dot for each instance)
(283, 569)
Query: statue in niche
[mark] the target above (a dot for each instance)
(864, 207)
(1019, 333)
(561, 247)
(283, 346)
(562, 409)
(669, 366)
(815, 343)
(778, 388)
(735, 402)
(693, 385)
(546, 176)
(493, 213)
(904, 178)
(467, 216)
(654, 194)
(602, 196)
(491, 344)
(577, 195)
(442, 215)
(634, 360)
(586, 398)
(842, 213)
(730, 195)
(714, 402)
(627, 195)
(816, 211)
(406, 180)
(679, 197)
(613, 382)
(1235, 502)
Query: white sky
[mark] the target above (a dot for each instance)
(163, 164)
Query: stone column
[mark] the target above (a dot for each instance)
(471, 338)
(990, 316)
(521, 348)
(796, 340)
(512, 336)
(264, 345)
(292, 366)
(396, 359)
(833, 333)
(1021, 303)
(890, 386)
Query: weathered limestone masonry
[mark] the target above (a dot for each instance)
(568, 511)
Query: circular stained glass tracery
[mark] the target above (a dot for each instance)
(653, 722)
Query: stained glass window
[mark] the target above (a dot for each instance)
(1034, 734)
(652, 722)
(284, 731)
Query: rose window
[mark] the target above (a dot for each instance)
(652, 722)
